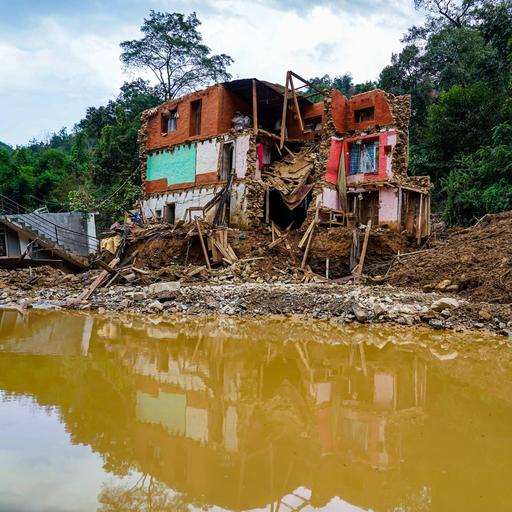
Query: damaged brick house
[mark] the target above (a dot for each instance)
(261, 152)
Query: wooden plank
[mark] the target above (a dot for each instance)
(285, 108)
(106, 267)
(225, 254)
(97, 282)
(359, 268)
(201, 239)
(254, 107)
(231, 252)
(306, 252)
(296, 105)
(306, 235)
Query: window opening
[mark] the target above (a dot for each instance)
(364, 157)
(364, 114)
(227, 164)
(195, 117)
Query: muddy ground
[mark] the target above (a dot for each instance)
(459, 279)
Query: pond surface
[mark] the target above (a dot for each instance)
(131, 414)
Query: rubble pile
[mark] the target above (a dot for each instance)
(475, 263)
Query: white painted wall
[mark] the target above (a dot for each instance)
(198, 196)
(241, 150)
(207, 156)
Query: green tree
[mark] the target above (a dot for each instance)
(481, 182)
(172, 49)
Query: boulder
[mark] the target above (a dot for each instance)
(444, 284)
(485, 315)
(166, 290)
(445, 303)
(359, 313)
(156, 306)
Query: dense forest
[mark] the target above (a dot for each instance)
(457, 68)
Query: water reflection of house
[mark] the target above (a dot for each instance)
(207, 413)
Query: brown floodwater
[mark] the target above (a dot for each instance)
(131, 414)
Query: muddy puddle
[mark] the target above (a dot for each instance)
(131, 414)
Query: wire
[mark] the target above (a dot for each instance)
(119, 188)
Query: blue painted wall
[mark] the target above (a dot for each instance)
(177, 167)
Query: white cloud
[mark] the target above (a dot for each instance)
(52, 56)
(70, 64)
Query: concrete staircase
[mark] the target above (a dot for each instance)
(61, 241)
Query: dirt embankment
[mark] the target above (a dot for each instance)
(475, 263)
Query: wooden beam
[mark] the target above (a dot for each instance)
(285, 108)
(359, 267)
(201, 239)
(282, 238)
(255, 107)
(296, 106)
(306, 252)
(304, 81)
(419, 221)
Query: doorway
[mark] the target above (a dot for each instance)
(227, 161)
(170, 213)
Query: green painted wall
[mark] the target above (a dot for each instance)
(178, 166)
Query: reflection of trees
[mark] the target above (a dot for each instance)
(147, 495)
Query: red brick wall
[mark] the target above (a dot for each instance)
(343, 110)
(230, 103)
(339, 109)
(376, 99)
(217, 110)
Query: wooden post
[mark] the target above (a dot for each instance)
(296, 105)
(254, 107)
(306, 252)
(285, 108)
(205, 252)
(427, 198)
(267, 206)
(418, 223)
(359, 268)
(399, 216)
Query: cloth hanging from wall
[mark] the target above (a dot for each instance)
(259, 154)
(333, 162)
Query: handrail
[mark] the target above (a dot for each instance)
(46, 226)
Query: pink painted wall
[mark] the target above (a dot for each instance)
(387, 141)
(388, 205)
(330, 198)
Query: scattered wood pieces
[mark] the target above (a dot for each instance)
(276, 242)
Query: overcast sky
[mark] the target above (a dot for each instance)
(57, 57)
